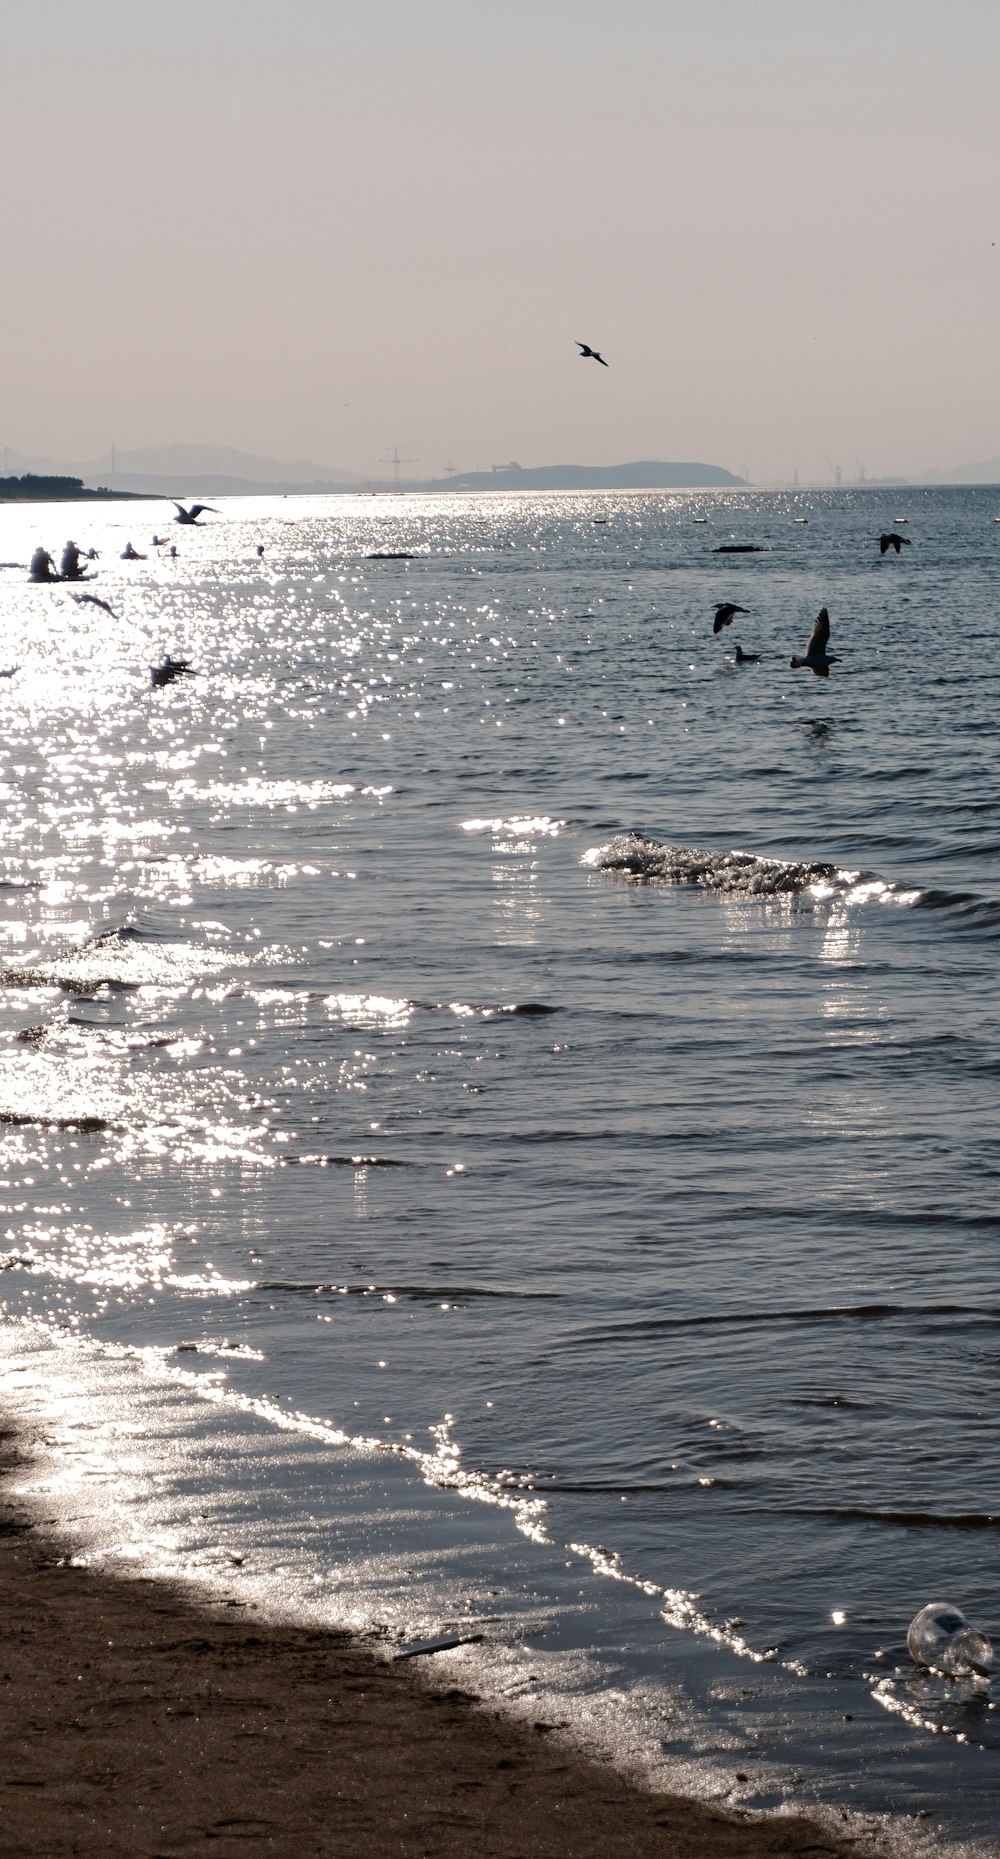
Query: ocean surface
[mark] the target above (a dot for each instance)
(499, 1101)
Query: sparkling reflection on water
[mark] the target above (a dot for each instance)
(641, 1187)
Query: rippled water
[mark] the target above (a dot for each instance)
(475, 1017)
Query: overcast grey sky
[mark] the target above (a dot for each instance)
(324, 229)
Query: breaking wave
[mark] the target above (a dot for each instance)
(743, 874)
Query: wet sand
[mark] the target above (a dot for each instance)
(134, 1723)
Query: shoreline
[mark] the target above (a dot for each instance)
(136, 1722)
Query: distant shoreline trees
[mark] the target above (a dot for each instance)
(37, 489)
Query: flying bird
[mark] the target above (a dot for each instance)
(589, 354)
(725, 613)
(91, 600)
(192, 515)
(817, 658)
(892, 541)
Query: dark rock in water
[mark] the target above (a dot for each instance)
(741, 548)
(391, 555)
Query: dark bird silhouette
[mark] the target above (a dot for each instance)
(192, 515)
(892, 541)
(11, 673)
(170, 669)
(91, 600)
(589, 354)
(817, 658)
(725, 613)
(746, 658)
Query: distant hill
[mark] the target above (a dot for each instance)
(220, 471)
(188, 469)
(643, 475)
(987, 472)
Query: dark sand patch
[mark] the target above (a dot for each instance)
(135, 1726)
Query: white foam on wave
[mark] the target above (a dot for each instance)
(157, 1469)
(737, 873)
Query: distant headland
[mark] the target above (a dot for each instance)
(221, 471)
(643, 475)
(34, 489)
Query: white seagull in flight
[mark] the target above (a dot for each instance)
(817, 658)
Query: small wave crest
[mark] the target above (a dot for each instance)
(736, 873)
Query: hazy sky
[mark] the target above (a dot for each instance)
(330, 227)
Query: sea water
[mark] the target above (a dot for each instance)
(498, 1100)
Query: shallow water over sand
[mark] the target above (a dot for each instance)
(474, 1028)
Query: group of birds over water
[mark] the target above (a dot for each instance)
(816, 658)
(71, 568)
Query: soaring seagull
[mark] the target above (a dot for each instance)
(817, 658)
(589, 354)
(892, 541)
(192, 515)
(725, 613)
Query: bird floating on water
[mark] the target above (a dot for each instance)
(817, 658)
(589, 354)
(725, 613)
(892, 541)
(192, 515)
(170, 669)
(746, 658)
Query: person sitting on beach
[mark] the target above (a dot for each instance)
(42, 567)
(129, 554)
(69, 567)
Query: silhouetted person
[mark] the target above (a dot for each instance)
(69, 566)
(42, 566)
(260, 548)
(129, 554)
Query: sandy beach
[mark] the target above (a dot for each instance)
(133, 1723)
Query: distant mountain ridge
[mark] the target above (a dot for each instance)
(219, 471)
(188, 469)
(641, 475)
